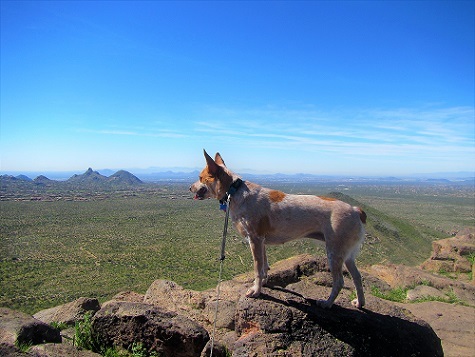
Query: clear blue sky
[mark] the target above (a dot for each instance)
(360, 88)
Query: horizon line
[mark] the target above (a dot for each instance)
(184, 170)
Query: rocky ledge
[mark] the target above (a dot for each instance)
(285, 320)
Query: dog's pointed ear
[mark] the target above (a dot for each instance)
(212, 166)
(219, 160)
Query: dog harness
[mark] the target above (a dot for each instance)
(223, 202)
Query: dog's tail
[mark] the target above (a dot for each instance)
(362, 215)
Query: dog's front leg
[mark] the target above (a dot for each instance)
(265, 268)
(258, 255)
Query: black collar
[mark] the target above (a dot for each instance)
(232, 190)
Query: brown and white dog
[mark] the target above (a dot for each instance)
(267, 216)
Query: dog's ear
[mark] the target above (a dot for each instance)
(219, 160)
(212, 166)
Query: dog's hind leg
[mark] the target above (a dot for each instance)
(260, 263)
(336, 267)
(355, 274)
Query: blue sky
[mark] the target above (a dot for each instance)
(337, 87)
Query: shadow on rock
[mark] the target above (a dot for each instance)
(283, 321)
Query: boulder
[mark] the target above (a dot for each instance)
(18, 328)
(282, 322)
(69, 313)
(60, 350)
(170, 296)
(130, 296)
(424, 291)
(122, 324)
(450, 254)
(224, 316)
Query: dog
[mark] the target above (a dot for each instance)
(266, 216)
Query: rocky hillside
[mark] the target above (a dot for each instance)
(286, 320)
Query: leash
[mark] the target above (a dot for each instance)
(221, 259)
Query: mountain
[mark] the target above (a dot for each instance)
(123, 177)
(95, 179)
(89, 177)
(42, 180)
(24, 178)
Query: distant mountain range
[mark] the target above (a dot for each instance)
(89, 179)
(125, 178)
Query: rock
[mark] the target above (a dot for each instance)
(10, 350)
(454, 325)
(450, 254)
(219, 350)
(282, 322)
(130, 296)
(69, 313)
(285, 320)
(168, 333)
(424, 291)
(404, 276)
(290, 270)
(60, 350)
(18, 328)
(170, 296)
(225, 316)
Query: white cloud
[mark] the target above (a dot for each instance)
(433, 135)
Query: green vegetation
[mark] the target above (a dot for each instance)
(23, 346)
(59, 325)
(98, 244)
(399, 294)
(83, 334)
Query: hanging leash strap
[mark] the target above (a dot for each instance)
(223, 205)
(222, 257)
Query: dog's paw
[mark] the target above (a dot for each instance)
(253, 293)
(324, 303)
(357, 304)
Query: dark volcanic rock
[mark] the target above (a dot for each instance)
(123, 323)
(69, 313)
(282, 322)
(19, 328)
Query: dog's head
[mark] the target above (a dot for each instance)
(214, 180)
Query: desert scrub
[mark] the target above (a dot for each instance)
(59, 325)
(398, 294)
(83, 336)
(23, 346)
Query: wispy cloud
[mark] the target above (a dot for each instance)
(152, 133)
(396, 132)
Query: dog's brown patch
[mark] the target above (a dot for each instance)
(206, 177)
(264, 227)
(276, 196)
(362, 215)
(327, 198)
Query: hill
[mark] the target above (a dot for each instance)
(124, 177)
(89, 177)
